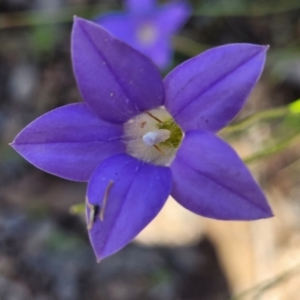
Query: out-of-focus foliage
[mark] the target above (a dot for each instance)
(44, 253)
(284, 123)
(243, 7)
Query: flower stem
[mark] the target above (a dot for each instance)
(264, 115)
(257, 290)
(288, 143)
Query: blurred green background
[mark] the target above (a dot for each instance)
(44, 249)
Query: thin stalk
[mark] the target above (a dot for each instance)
(288, 143)
(264, 115)
(258, 289)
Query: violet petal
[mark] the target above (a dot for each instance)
(126, 195)
(172, 16)
(129, 30)
(161, 52)
(69, 141)
(207, 91)
(211, 180)
(140, 7)
(121, 25)
(111, 75)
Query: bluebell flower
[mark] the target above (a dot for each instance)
(148, 28)
(137, 138)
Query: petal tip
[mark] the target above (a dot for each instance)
(266, 210)
(76, 18)
(81, 21)
(266, 47)
(14, 145)
(264, 213)
(268, 214)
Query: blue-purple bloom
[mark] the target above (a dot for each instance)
(137, 138)
(148, 28)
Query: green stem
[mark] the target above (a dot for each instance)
(264, 115)
(274, 149)
(264, 286)
(77, 209)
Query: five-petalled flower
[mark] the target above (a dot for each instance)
(148, 28)
(136, 138)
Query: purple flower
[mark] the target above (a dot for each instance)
(148, 28)
(136, 138)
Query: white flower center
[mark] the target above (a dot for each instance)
(153, 137)
(147, 34)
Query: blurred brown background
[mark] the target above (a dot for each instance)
(44, 250)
